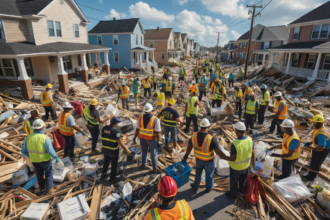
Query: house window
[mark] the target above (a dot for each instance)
(137, 39)
(239, 45)
(51, 31)
(76, 30)
(245, 44)
(2, 34)
(115, 40)
(266, 45)
(8, 67)
(311, 61)
(266, 57)
(116, 57)
(295, 60)
(144, 56)
(79, 60)
(28, 66)
(163, 55)
(99, 40)
(296, 33)
(58, 29)
(170, 44)
(151, 43)
(326, 63)
(320, 31)
(67, 62)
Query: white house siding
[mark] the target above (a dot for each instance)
(67, 15)
(171, 39)
(17, 30)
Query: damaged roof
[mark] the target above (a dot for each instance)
(263, 33)
(161, 34)
(115, 26)
(319, 13)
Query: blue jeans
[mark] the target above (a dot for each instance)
(209, 168)
(287, 168)
(44, 168)
(173, 131)
(145, 145)
(163, 86)
(238, 177)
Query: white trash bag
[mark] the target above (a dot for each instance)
(222, 166)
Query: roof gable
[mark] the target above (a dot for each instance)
(115, 26)
(22, 7)
(255, 33)
(161, 34)
(319, 13)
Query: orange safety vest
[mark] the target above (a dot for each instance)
(180, 211)
(284, 111)
(323, 131)
(44, 99)
(149, 132)
(168, 87)
(203, 152)
(64, 128)
(123, 92)
(193, 88)
(286, 143)
(248, 91)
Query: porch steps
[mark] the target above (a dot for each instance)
(321, 83)
(80, 86)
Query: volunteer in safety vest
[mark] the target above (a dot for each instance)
(164, 79)
(320, 146)
(182, 74)
(193, 88)
(238, 101)
(280, 114)
(196, 73)
(160, 100)
(202, 86)
(264, 99)
(205, 149)
(67, 126)
(206, 70)
(191, 111)
(171, 117)
(148, 129)
(246, 92)
(146, 83)
(251, 109)
(169, 88)
(111, 140)
(39, 149)
(29, 122)
(217, 66)
(231, 80)
(290, 148)
(46, 99)
(218, 93)
(155, 81)
(168, 207)
(242, 155)
(92, 117)
(123, 92)
(136, 84)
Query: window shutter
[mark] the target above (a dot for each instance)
(299, 60)
(299, 33)
(262, 45)
(270, 44)
(306, 60)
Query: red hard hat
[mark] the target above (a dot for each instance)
(167, 187)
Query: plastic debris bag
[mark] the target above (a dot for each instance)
(264, 162)
(222, 166)
(127, 192)
(292, 188)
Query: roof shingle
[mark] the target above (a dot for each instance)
(115, 26)
(319, 13)
(161, 34)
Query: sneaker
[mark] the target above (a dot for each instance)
(229, 196)
(143, 166)
(114, 181)
(103, 176)
(192, 186)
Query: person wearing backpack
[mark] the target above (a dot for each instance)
(231, 79)
(202, 84)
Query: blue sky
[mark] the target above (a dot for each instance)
(201, 19)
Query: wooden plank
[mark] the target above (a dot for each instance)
(8, 155)
(96, 202)
(27, 193)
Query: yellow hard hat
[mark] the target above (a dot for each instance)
(172, 101)
(94, 101)
(49, 86)
(318, 118)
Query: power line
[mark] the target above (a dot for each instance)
(94, 9)
(265, 6)
(93, 19)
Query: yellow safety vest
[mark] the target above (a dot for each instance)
(238, 95)
(286, 143)
(203, 152)
(243, 154)
(323, 131)
(251, 107)
(262, 98)
(44, 99)
(191, 107)
(160, 98)
(36, 147)
(181, 211)
(90, 121)
(155, 79)
(146, 83)
(168, 87)
(217, 94)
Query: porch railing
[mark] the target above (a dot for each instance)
(280, 68)
(300, 72)
(322, 75)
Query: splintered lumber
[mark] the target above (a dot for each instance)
(7, 155)
(96, 202)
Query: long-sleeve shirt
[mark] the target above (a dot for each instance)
(48, 146)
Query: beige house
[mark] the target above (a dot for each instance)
(186, 45)
(45, 40)
(163, 42)
(178, 45)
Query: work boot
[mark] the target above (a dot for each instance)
(308, 178)
(65, 155)
(112, 182)
(143, 166)
(229, 196)
(192, 186)
(104, 176)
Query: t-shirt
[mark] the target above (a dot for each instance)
(200, 138)
(170, 113)
(136, 84)
(294, 144)
(233, 148)
(146, 118)
(113, 134)
(95, 114)
(165, 76)
(322, 140)
(266, 97)
(70, 121)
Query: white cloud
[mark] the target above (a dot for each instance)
(182, 2)
(101, 1)
(163, 24)
(114, 14)
(209, 20)
(234, 35)
(144, 11)
(225, 7)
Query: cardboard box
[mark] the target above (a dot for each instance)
(75, 208)
(36, 211)
(20, 177)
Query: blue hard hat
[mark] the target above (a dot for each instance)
(115, 120)
(263, 86)
(249, 83)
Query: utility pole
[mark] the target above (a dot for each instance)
(218, 46)
(250, 35)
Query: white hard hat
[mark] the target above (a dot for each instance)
(147, 107)
(240, 126)
(170, 78)
(277, 94)
(287, 123)
(38, 124)
(205, 123)
(67, 105)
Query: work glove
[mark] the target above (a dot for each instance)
(57, 159)
(134, 141)
(308, 144)
(83, 133)
(273, 155)
(270, 149)
(184, 160)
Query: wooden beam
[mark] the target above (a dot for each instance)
(96, 202)
(8, 155)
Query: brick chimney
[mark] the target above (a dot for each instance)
(157, 28)
(114, 18)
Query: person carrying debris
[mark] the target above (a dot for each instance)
(290, 148)
(46, 99)
(242, 156)
(27, 125)
(147, 86)
(193, 88)
(191, 111)
(169, 88)
(164, 79)
(148, 129)
(92, 117)
(169, 208)
(218, 93)
(231, 79)
(320, 146)
(202, 84)
(205, 147)
(251, 109)
(238, 101)
(264, 99)
(171, 117)
(136, 84)
(111, 140)
(67, 126)
(160, 100)
(280, 114)
(39, 149)
(182, 74)
(196, 73)
(123, 94)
